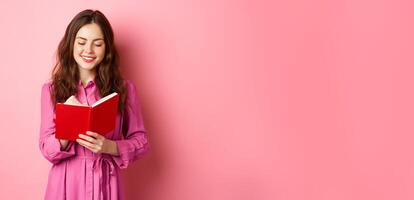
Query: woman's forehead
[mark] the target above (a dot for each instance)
(90, 32)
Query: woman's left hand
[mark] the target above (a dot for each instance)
(96, 142)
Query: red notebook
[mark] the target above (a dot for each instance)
(72, 120)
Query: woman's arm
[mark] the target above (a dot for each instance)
(51, 148)
(135, 142)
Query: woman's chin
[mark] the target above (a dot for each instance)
(87, 67)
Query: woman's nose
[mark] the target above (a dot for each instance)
(88, 48)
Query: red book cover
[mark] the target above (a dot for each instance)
(72, 120)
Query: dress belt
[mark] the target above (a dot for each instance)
(100, 175)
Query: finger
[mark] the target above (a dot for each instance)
(82, 144)
(87, 147)
(90, 146)
(95, 146)
(93, 134)
(86, 144)
(87, 138)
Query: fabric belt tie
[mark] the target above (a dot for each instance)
(100, 168)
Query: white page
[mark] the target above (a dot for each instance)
(104, 99)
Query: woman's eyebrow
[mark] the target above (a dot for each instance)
(86, 39)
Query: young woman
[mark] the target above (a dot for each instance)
(87, 68)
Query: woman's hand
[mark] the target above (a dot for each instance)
(63, 144)
(72, 100)
(97, 143)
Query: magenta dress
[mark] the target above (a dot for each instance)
(77, 173)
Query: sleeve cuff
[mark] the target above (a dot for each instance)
(122, 160)
(56, 154)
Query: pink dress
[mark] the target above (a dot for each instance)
(77, 173)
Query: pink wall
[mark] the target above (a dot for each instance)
(242, 99)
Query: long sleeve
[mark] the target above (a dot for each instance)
(135, 142)
(48, 144)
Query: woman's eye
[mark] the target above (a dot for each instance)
(98, 45)
(80, 43)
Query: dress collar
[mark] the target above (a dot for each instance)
(90, 83)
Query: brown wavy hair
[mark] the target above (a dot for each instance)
(65, 74)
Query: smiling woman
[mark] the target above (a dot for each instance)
(89, 47)
(87, 69)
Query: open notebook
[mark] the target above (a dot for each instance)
(73, 118)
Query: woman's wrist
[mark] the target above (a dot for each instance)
(111, 147)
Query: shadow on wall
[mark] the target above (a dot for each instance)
(141, 176)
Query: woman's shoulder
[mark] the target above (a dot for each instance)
(127, 82)
(47, 85)
(129, 85)
(46, 91)
(130, 90)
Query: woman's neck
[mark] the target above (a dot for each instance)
(86, 76)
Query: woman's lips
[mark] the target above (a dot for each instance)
(88, 59)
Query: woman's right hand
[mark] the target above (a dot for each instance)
(63, 144)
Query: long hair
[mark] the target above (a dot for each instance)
(65, 74)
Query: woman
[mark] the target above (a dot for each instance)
(87, 68)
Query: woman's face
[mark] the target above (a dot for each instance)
(89, 47)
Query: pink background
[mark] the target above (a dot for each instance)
(242, 99)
